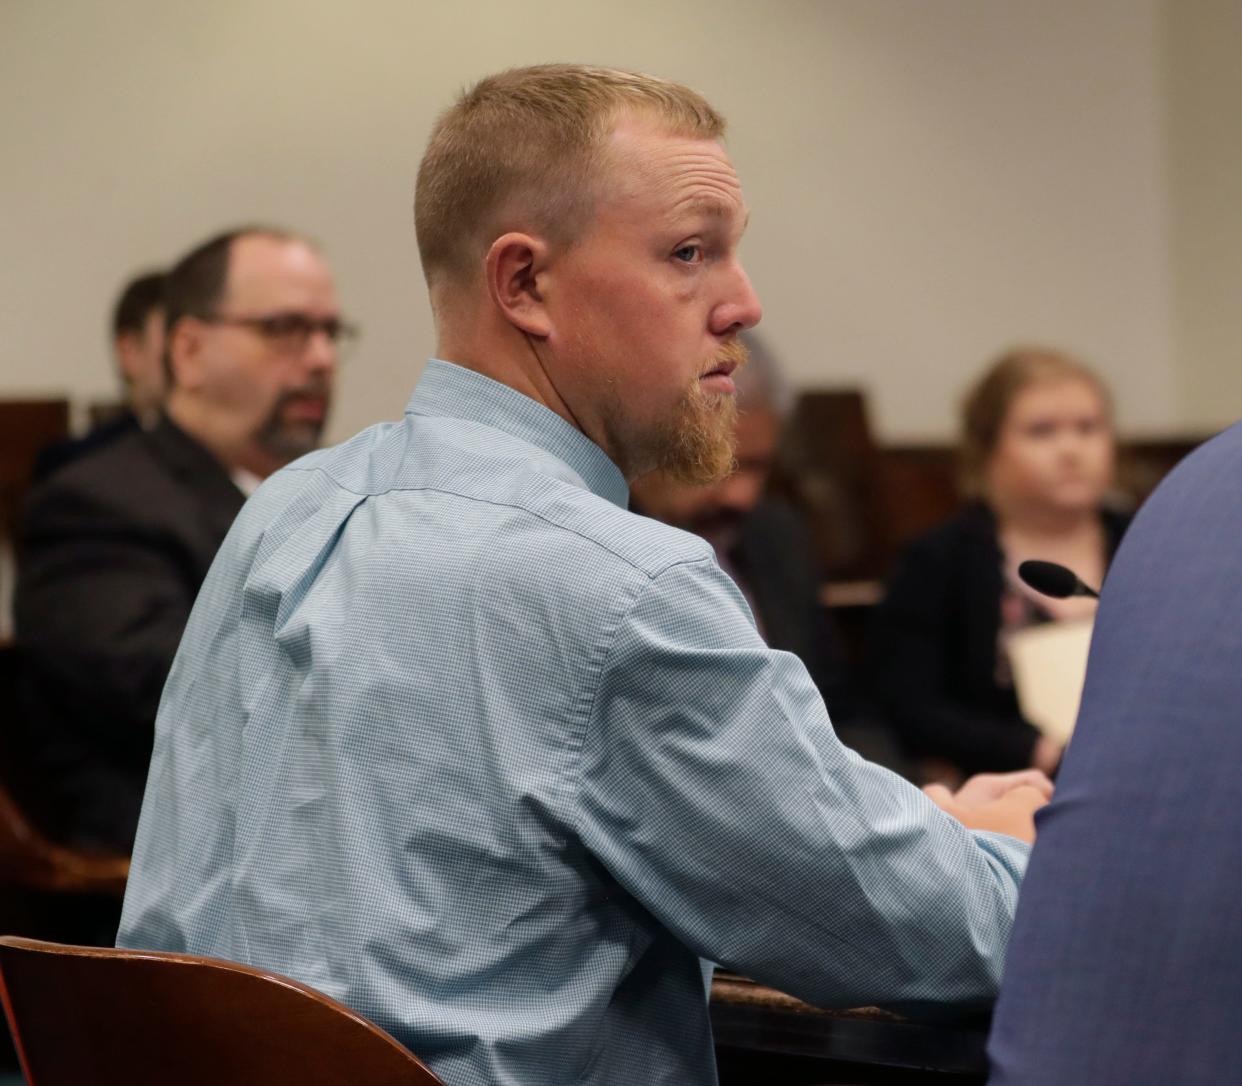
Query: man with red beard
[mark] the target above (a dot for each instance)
(457, 738)
(113, 549)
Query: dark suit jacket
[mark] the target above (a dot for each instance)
(932, 649)
(60, 453)
(111, 553)
(1125, 964)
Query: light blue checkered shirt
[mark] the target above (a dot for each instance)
(455, 738)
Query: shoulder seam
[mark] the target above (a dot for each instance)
(440, 489)
(596, 668)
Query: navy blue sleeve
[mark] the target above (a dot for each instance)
(1125, 963)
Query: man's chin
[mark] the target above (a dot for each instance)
(702, 460)
(700, 449)
(713, 402)
(293, 439)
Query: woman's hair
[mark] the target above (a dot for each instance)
(987, 404)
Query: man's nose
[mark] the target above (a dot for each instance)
(740, 309)
(320, 353)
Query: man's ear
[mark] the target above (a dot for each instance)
(514, 269)
(184, 350)
(126, 347)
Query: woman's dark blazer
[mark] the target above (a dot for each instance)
(931, 658)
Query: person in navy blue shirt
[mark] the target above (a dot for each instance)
(1125, 964)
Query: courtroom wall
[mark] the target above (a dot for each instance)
(929, 182)
(1203, 69)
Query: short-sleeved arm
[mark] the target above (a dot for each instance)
(716, 792)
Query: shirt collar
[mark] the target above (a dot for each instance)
(452, 391)
(245, 481)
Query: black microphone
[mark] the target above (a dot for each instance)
(1053, 580)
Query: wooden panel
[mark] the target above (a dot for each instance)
(829, 466)
(26, 426)
(919, 482)
(918, 490)
(865, 501)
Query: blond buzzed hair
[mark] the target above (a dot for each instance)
(521, 150)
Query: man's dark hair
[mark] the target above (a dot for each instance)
(195, 284)
(141, 297)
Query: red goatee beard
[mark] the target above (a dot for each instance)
(697, 445)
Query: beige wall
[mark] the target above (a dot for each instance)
(1203, 68)
(930, 182)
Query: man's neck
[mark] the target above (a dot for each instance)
(511, 360)
(231, 451)
(473, 334)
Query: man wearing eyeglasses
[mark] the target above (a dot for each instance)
(113, 549)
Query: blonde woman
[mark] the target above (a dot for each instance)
(1037, 451)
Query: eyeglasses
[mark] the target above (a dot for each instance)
(289, 333)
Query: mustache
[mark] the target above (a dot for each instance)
(734, 352)
(315, 389)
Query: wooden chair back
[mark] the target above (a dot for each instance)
(141, 1018)
(30, 861)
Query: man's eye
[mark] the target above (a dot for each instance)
(287, 325)
(689, 254)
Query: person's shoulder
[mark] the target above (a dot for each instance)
(647, 545)
(497, 532)
(1198, 504)
(119, 472)
(569, 528)
(1203, 466)
(145, 483)
(55, 457)
(564, 521)
(965, 533)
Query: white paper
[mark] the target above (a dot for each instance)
(1049, 664)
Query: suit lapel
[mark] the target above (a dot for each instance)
(201, 477)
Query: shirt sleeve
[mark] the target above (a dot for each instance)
(715, 791)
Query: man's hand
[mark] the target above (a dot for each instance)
(987, 787)
(1046, 755)
(1001, 802)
